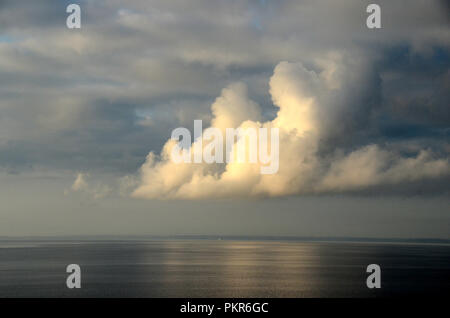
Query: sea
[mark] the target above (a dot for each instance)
(198, 268)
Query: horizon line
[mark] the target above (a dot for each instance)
(113, 237)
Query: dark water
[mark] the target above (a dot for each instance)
(221, 269)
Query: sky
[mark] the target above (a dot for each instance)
(86, 117)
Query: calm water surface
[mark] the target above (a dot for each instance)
(204, 268)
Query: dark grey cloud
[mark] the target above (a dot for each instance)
(32, 14)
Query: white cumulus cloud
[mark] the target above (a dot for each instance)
(306, 99)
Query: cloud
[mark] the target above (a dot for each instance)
(100, 98)
(81, 185)
(305, 100)
(373, 166)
